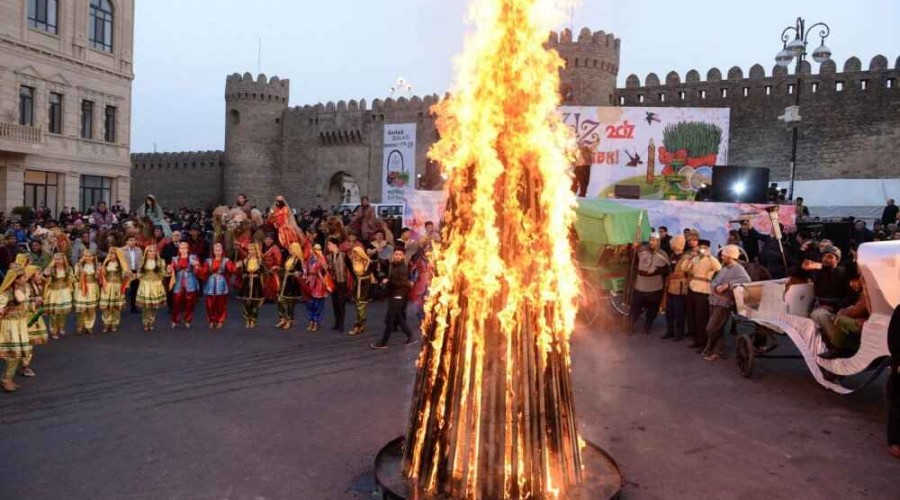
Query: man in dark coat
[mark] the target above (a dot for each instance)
(894, 385)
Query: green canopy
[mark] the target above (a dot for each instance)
(602, 222)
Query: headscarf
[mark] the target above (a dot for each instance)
(15, 270)
(159, 263)
(83, 277)
(156, 215)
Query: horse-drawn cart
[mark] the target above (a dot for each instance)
(775, 308)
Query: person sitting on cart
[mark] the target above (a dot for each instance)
(652, 268)
(849, 321)
(832, 292)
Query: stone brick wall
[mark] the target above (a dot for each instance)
(853, 132)
(191, 179)
(304, 152)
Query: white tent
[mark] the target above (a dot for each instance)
(861, 198)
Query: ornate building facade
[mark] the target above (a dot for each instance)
(314, 154)
(66, 69)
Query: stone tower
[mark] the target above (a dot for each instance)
(253, 113)
(592, 64)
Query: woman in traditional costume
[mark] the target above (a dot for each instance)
(154, 212)
(58, 294)
(283, 219)
(14, 314)
(114, 280)
(151, 294)
(37, 328)
(251, 293)
(184, 285)
(272, 259)
(315, 287)
(291, 287)
(216, 271)
(87, 292)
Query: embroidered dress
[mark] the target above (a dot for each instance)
(112, 295)
(87, 288)
(184, 288)
(58, 291)
(151, 293)
(14, 338)
(215, 291)
(37, 332)
(251, 293)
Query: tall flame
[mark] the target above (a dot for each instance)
(493, 415)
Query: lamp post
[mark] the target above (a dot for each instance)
(795, 39)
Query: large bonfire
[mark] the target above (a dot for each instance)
(493, 415)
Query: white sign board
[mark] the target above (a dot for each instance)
(399, 168)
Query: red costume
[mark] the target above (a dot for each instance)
(215, 272)
(271, 284)
(184, 286)
(283, 220)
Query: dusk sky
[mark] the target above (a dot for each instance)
(354, 49)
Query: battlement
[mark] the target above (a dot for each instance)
(182, 160)
(244, 87)
(735, 86)
(415, 103)
(586, 40)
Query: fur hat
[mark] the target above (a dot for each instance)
(832, 250)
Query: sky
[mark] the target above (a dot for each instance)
(351, 49)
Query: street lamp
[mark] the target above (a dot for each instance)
(795, 40)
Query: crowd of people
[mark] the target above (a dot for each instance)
(111, 261)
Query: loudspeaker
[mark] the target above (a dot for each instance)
(628, 192)
(740, 184)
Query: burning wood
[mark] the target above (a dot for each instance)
(493, 413)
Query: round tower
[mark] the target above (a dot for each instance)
(592, 65)
(253, 113)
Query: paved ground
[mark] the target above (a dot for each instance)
(273, 415)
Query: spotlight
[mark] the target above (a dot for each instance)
(739, 188)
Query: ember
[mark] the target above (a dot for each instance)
(493, 414)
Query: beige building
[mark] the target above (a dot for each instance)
(66, 68)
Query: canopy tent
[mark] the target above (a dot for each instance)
(860, 198)
(600, 223)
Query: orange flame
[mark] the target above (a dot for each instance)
(494, 416)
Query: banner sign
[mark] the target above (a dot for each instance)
(668, 153)
(399, 168)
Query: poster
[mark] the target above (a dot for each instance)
(668, 153)
(399, 169)
(423, 206)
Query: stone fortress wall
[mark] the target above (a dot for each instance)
(850, 124)
(307, 153)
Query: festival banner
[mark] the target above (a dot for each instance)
(668, 153)
(399, 172)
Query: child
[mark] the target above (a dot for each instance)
(251, 293)
(37, 328)
(216, 271)
(290, 291)
(14, 344)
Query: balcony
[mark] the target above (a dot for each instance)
(20, 138)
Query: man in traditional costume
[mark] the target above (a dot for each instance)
(339, 267)
(272, 259)
(364, 278)
(703, 267)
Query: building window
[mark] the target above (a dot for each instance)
(95, 189)
(42, 15)
(101, 25)
(863, 84)
(746, 91)
(41, 190)
(839, 86)
(87, 119)
(621, 100)
(723, 93)
(814, 87)
(26, 105)
(890, 83)
(55, 113)
(702, 94)
(640, 98)
(768, 90)
(235, 117)
(110, 123)
(662, 97)
(681, 95)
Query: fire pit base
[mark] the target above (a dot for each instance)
(602, 479)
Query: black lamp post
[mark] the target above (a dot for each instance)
(795, 39)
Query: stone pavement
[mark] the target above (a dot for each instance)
(266, 414)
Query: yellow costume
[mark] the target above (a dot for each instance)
(58, 294)
(14, 341)
(87, 292)
(151, 294)
(112, 289)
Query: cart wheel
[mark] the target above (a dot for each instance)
(617, 300)
(745, 355)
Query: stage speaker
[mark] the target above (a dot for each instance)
(740, 184)
(627, 191)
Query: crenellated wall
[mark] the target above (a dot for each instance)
(190, 179)
(307, 152)
(591, 66)
(850, 124)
